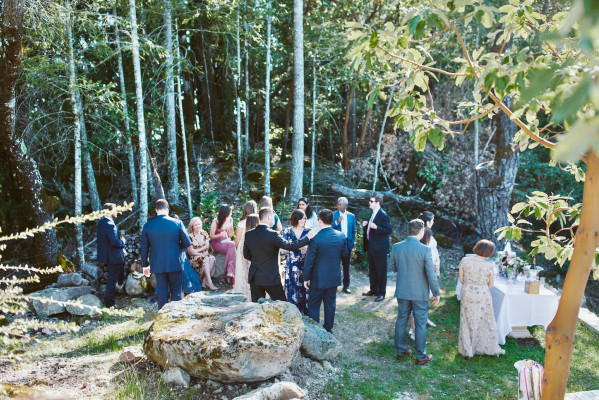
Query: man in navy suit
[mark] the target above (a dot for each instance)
(345, 222)
(376, 242)
(165, 239)
(322, 269)
(110, 251)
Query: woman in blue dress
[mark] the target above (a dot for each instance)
(191, 280)
(294, 267)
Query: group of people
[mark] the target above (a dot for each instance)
(318, 260)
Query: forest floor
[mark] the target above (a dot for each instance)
(85, 364)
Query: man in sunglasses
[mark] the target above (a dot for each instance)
(376, 242)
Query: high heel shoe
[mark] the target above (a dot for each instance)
(431, 323)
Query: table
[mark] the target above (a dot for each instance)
(515, 308)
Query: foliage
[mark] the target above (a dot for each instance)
(15, 326)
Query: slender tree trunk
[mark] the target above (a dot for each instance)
(182, 123)
(127, 133)
(365, 126)
(344, 145)
(76, 133)
(158, 188)
(378, 146)
(237, 90)
(297, 155)
(561, 331)
(206, 74)
(246, 142)
(12, 145)
(353, 126)
(267, 104)
(171, 135)
(150, 176)
(88, 167)
(287, 120)
(141, 125)
(313, 155)
(476, 141)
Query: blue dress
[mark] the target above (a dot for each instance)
(191, 281)
(294, 272)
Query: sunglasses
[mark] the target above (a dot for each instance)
(372, 201)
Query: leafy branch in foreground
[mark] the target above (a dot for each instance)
(15, 327)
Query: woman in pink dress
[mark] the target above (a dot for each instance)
(221, 232)
(199, 257)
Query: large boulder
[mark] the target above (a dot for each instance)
(45, 309)
(84, 310)
(224, 338)
(92, 270)
(278, 391)
(318, 344)
(136, 284)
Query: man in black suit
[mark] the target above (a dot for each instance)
(110, 251)
(322, 269)
(376, 241)
(261, 248)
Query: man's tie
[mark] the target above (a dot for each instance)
(368, 230)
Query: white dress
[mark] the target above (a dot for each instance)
(312, 222)
(242, 268)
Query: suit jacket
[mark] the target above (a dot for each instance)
(322, 266)
(379, 238)
(261, 248)
(415, 270)
(351, 227)
(165, 239)
(109, 243)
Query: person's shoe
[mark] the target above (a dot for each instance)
(369, 293)
(425, 360)
(346, 290)
(412, 336)
(431, 324)
(406, 353)
(380, 297)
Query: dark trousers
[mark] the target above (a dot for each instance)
(329, 297)
(404, 309)
(115, 274)
(275, 292)
(377, 271)
(169, 281)
(345, 263)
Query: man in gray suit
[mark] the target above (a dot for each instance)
(415, 276)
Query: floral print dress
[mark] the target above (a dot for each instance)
(478, 329)
(294, 272)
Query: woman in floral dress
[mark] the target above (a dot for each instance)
(478, 329)
(294, 267)
(199, 257)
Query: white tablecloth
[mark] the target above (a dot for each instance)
(514, 307)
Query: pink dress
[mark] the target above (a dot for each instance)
(227, 247)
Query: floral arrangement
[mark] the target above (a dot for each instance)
(508, 262)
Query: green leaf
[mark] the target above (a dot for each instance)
(518, 207)
(374, 40)
(420, 140)
(579, 139)
(540, 80)
(413, 24)
(437, 137)
(575, 102)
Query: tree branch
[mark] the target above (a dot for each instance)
(433, 69)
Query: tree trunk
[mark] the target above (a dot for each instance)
(378, 147)
(127, 133)
(287, 121)
(496, 179)
(365, 126)
(141, 125)
(171, 135)
(87, 161)
(267, 104)
(313, 152)
(237, 90)
(207, 86)
(12, 145)
(297, 153)
(344, 146)
(353, 126)
(182, 122)
(561, 331)
(158, 189)
(76, 132)
(246, 141)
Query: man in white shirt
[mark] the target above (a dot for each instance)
(345, 222)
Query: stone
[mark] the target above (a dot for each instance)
(318, 344)
(176, 376)
(88, 300)
(443, 241)
(84, 282)
(46, 309)
(92, 270)
(327, 366)
(278, 391)
(219, 267)
(136, 284)
(224, 338)
(70, 279)
(131, 354)
(152, 281)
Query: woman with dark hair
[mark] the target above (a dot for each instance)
(478, 329)
(294, 267)
(311, 217)
(221, 232)
(250, 207)
(266, 201)
(242, 266)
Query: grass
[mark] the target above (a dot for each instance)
(372, 372)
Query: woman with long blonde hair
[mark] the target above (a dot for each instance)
(199, 257)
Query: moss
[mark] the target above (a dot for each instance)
(255, 176)
(66, 264)
(443, 241)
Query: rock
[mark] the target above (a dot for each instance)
(84, 282)
(327, 366)
(152, 281)
(131, 354)
(92, 270)
(219, 267)
(443, 241)
(278, 391)
(87, 300)
(46, 309)
(71, 279)
(135, 267)
(318, 344)
(222, 337)
(136, 284)
(176, 376)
